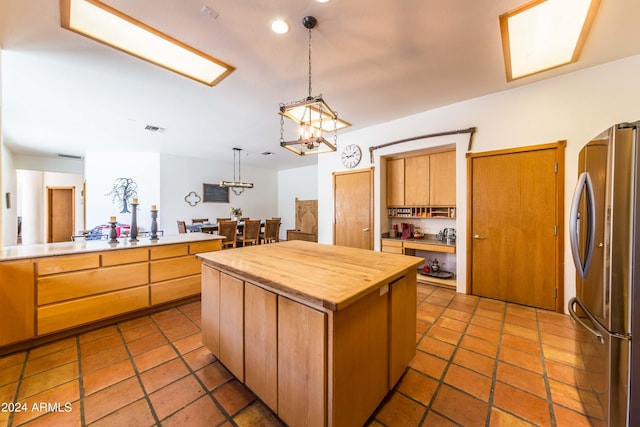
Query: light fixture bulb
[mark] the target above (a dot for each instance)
(279, 26)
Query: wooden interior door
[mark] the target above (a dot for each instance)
(515, 225)
(60, 214)
(353, 209)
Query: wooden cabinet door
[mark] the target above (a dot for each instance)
(261, 344)
(402, 336)
(232, 328)
(395, 182)
(360, 381)
(17, 301)
(442, 179)
(211, 309)
(302, 364)
(416, 181)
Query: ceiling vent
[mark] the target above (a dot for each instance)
(69, 156)
(152, 128)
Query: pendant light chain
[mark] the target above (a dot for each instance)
(309, 63)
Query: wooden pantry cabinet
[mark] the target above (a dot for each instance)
(425, 181)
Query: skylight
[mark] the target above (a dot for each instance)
(545, 34)
(102, 23)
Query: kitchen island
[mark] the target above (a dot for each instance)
(52, 288)
(319, 333)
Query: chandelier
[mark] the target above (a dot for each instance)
(236, 183)
(312, 115)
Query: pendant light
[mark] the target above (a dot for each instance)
(236, 183)
(312, 115)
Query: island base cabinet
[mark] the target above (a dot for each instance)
(402, 336)
(302, 364)
(358, 369)
(261, 344)
(232, 328)
(211, 309)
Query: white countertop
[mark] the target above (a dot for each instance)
(9, 253)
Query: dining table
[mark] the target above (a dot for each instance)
(212, 228)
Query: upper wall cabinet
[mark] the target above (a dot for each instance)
(416, 181)
(442, 179)
(395, 182)
(423, 180)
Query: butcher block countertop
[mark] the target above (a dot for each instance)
(9, 253)
(326, 275)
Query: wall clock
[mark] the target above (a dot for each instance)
(351, 156)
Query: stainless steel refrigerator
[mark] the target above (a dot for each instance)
(604, 232)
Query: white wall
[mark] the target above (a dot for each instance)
(103, 168)
(31, 206)
(182, 175)
(573, 107)
(9, 217)
(31, 201)
(301, 183)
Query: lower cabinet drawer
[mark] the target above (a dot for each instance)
(56, 317)
(175, 289)
(208, 246)
(173, 268)
(66, 286)
(391, 249)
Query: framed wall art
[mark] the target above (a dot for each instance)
(213, 193)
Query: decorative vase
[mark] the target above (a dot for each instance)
(134, 222)
(154, 224)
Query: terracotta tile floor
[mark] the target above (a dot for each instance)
(479, 362)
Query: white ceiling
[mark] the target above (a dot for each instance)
(373, 60)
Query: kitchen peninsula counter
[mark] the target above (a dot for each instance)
(10, 253)
(57, 288)
(343, 319)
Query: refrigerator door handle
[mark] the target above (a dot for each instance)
(584, 183)
(572, 302)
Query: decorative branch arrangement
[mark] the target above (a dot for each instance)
(123, 191)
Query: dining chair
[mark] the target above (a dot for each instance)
(199, 220)
(271, 231)
(182, 227)
(250, 233)
(218, 220)
(228, 229)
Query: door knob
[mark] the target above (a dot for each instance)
(479, 237)
(365, 229)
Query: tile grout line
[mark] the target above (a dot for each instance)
(449, 362)
(208, 393)
(202, 384)
(137, 375)
(16, 393)
(83, 420)
(496, 363)
(545, 375)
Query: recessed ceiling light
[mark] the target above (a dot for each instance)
(323, 1)
(545, 34)
(279, 26)
(100, 22)
(267, 153)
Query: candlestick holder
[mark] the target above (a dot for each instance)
(113, 233)
(134, 223)
(154, 224)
